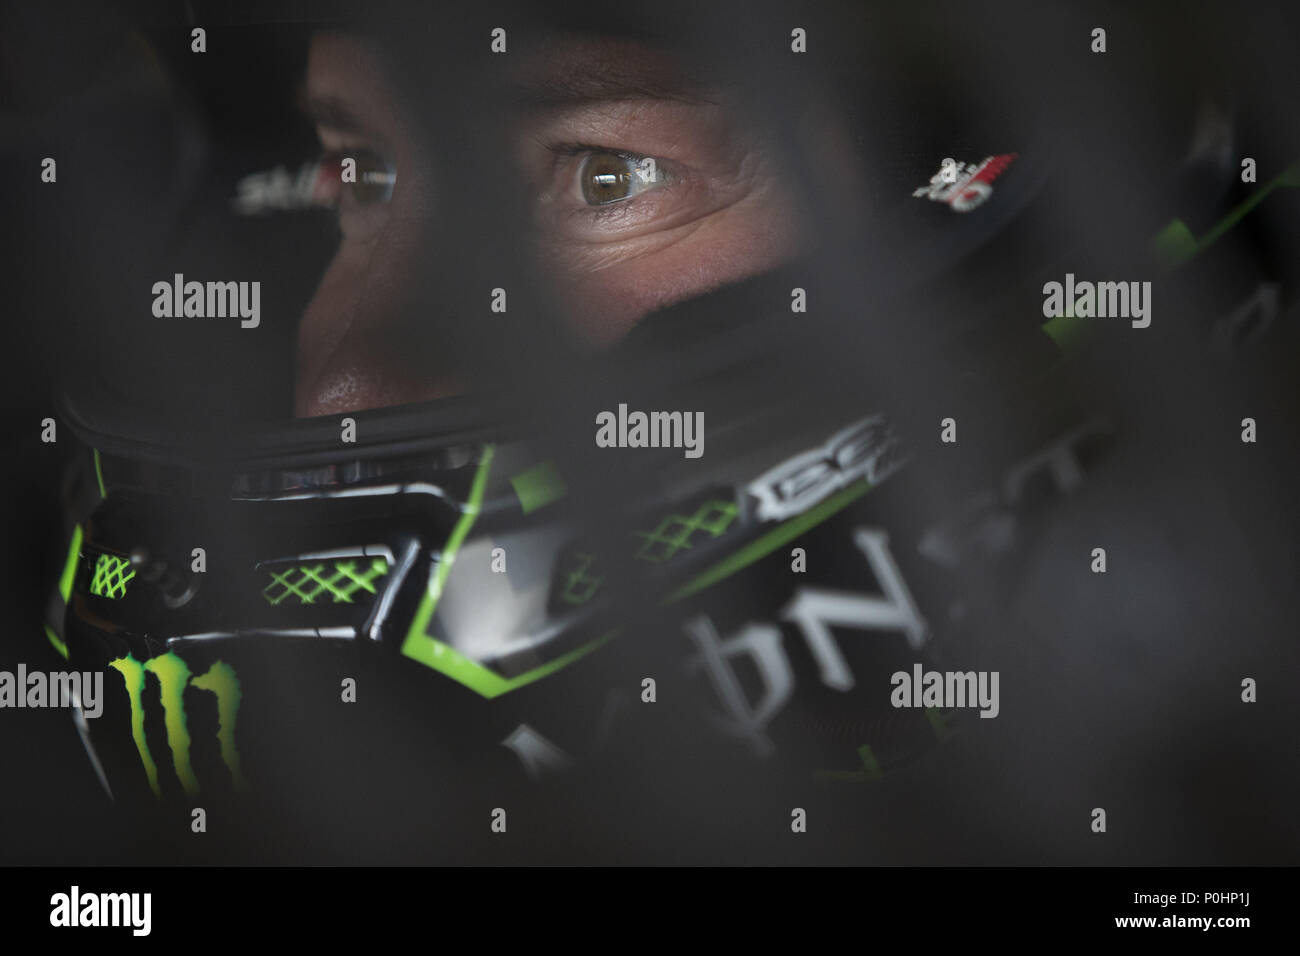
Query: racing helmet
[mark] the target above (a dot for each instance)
(745, 507)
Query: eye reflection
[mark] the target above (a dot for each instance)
(375, 183)
(375, 178)
(361, 205)
(608, 177)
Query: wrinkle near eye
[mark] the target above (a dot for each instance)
(608, 286)
(703, 161)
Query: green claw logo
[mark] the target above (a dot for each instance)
(173, 677)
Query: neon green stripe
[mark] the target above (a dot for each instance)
(1174, 244)
(1173, 241)
(133, 676)
(1069, 332)
(937, 722)
(173, 674)
(447, 660)
(99, 474)
(1290, 177)
(418, 645)
(538, 486)
(871, 769)
(221, 680)
(869, 763)
(70, 565)
(773, 539)
(58, 644)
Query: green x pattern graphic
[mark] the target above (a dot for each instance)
(674, 532)
(579, 586)
(112, 575)
(340, 579)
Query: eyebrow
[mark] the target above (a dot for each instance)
(571, 88)
(586, 70)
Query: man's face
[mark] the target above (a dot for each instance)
(645, 188)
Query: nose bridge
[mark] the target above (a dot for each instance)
(478, 295)
(428, 305)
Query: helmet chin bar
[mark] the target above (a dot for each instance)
(378, 621)
(298, 573)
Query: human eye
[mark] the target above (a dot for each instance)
(595, 192)
(616, 179)
(605, 176)
(360, 205)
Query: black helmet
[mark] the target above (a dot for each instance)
(709, 549)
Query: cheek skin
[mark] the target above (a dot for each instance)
(325, 322)
(606, 292)
(355, 338)
(357, 343)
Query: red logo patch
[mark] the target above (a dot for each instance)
(965, 186)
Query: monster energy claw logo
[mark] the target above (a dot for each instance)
(173, 677)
